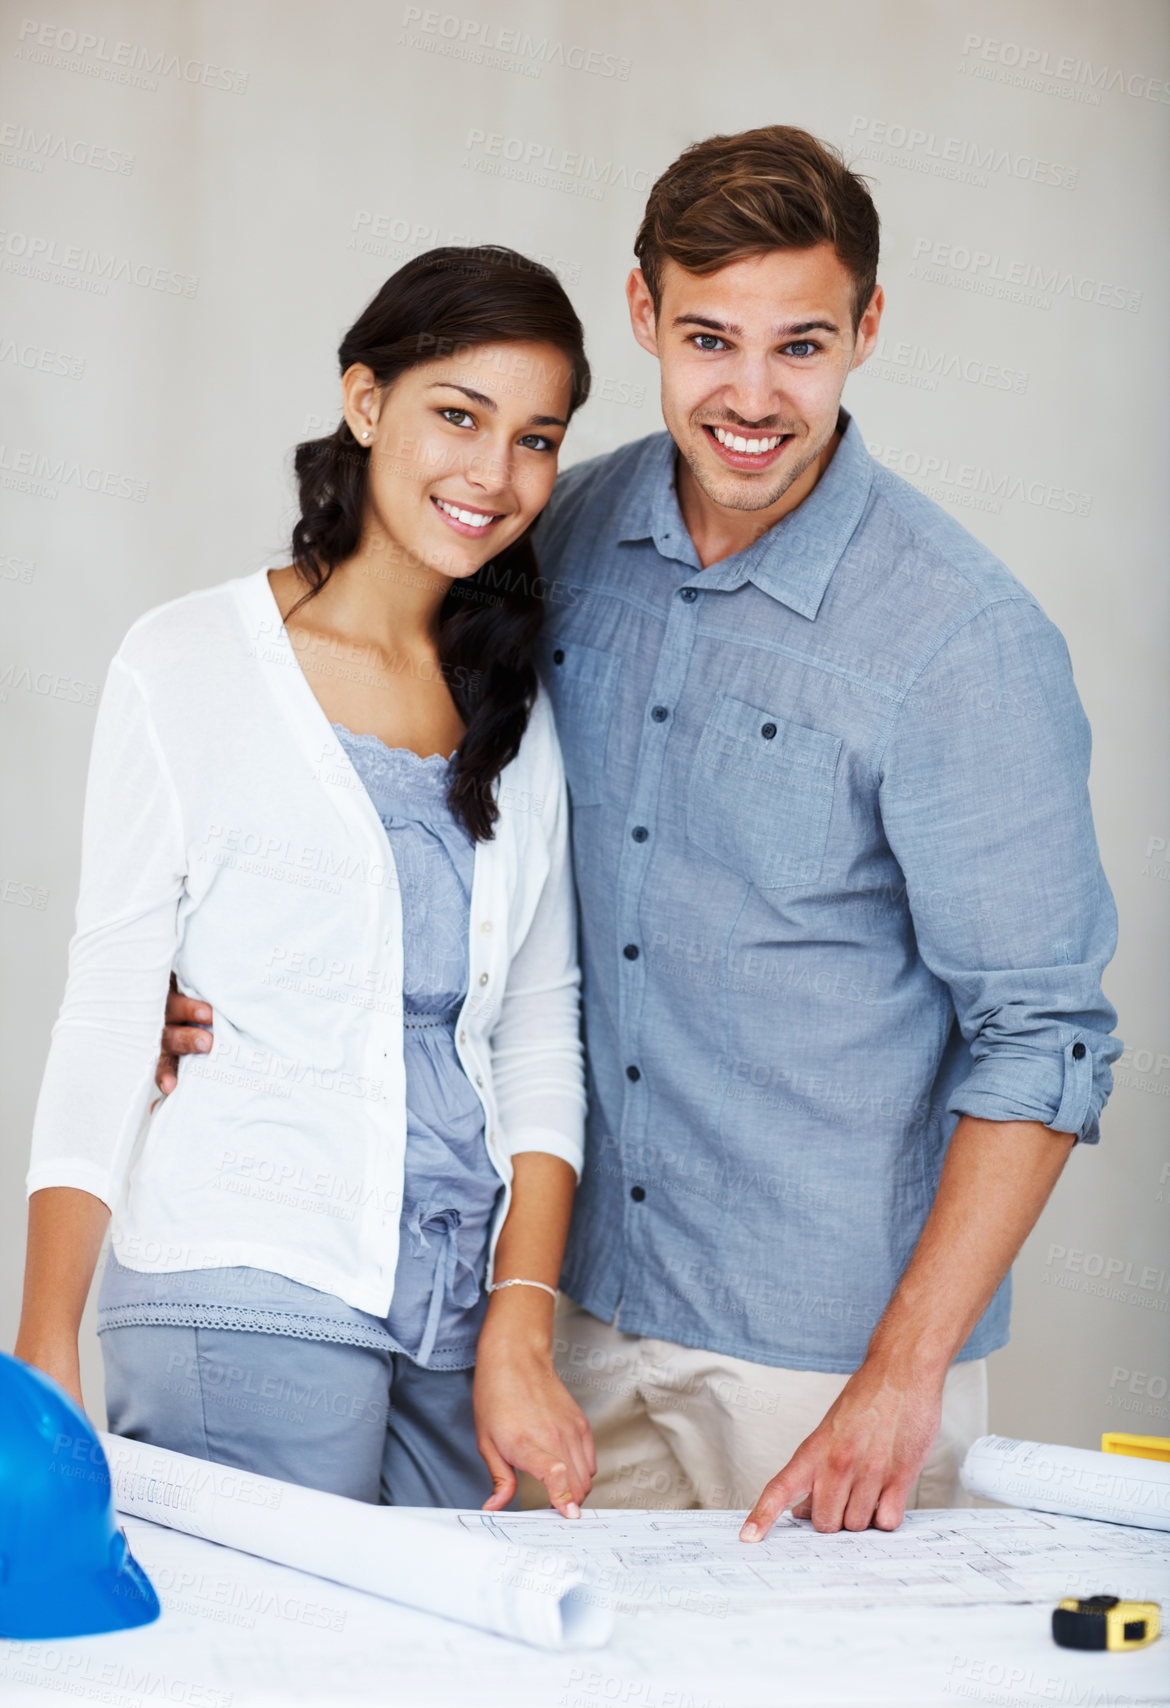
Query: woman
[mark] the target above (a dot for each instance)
(356, 851)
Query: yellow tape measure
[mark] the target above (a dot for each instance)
(1105, 1622)
(1137, 1446)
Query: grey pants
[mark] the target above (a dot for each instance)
(356, 1422)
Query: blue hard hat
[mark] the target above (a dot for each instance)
(66, 1569)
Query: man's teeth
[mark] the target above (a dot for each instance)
(471, 518)
(753, 447)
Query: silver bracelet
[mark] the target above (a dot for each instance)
(496, 1286)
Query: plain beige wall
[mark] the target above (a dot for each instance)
(200, 197)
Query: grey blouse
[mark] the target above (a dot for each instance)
(450, 1187)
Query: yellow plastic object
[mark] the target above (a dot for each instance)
(1138, 1446)
(1104, 1622)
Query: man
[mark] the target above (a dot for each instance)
(843, 920)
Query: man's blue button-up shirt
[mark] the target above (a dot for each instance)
(838, 883)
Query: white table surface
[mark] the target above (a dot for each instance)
(237, 1631)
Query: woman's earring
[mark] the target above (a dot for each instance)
(365, 432)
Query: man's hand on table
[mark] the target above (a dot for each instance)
(857, 1467)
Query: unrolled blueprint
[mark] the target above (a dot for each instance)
(694, 1561)
(554, 1582)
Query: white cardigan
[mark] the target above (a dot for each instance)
(227, 834)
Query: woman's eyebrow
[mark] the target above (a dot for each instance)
(475, 396)
(489, 403)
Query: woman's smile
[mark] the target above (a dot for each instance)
(473, 524)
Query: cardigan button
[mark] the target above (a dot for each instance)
(479, 1079)
(463, 1037)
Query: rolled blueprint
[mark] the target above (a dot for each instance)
(1071, 1480)
(396, 1552)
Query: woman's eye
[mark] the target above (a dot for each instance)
(537, 442)
(706, 341)
(464, 417)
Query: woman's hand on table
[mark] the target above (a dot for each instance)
(526, 1419)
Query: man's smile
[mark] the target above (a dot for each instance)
(746, 450)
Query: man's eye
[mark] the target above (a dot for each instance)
(464, 415)
(802, 347)
(706, 341)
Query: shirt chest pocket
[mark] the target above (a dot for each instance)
(582, 681)
(761, 794)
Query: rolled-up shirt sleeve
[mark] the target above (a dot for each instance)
(985, 805)
(100, 1070)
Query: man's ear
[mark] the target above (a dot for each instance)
(642, 316)
(867, 329)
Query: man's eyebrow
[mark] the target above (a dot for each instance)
(794, 329)
(489, 403)
(708, 325)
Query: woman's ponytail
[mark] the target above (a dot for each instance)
(331, 479)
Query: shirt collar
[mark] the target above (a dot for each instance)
(794, 561)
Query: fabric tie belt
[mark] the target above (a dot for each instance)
(441, 1226)
(444, 1230)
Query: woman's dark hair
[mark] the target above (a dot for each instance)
(440, 304)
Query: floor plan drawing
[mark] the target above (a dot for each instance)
(695, 1561)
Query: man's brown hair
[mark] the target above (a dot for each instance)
(729, 197)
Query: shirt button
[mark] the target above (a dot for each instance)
(633, 1072)
(483, 978)
(690, 594)
(1078, 1051)
(630, 951)
(463, 1037)
(486, 926)
(637, 1193)
(479, 1079)
(659, 714)
(559, 655)
(768, 731)
(639, 833)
